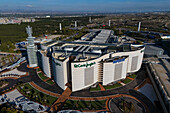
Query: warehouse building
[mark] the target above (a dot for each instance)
(159, 72)
(151, 50)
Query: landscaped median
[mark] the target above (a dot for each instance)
(3, 83)
(43, 77)
(97, 88)
(85, 105)
(126, 80)
(132, 76)
(35, 95)
(38, 69)
(50, 82)
(113, 86)
(116, 85)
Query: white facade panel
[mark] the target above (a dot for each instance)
(131, 54)
(124, 68)
(60, 74)
(108, 73)
(78, 70)
(46, 65)
(78, 74)
(77, 79)
(118, 71)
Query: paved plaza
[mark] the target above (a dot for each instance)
(15, 97)
(14, 72)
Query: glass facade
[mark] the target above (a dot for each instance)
(31, 51)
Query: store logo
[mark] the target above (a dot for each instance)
(57, 64)
(84, 65)
(142, 51)
(120, 60)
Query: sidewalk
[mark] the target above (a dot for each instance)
(62, 98)
(101, 87)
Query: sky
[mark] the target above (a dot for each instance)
(87, 5)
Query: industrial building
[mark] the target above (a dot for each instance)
(151, 50)
(83, 64)
(159, 73)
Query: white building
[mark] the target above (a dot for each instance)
(165, 37)
(83, 64)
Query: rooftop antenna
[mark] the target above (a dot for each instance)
(139, 26)
(83, 53)
(75, 24)
(66, 52)
(90, 19)
(109, 22)
(60, 26)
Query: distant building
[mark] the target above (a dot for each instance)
(15, 20)
(160, 73)
(151, 50)
(165, 37)
(126, 39)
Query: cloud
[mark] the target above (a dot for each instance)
(30, 6)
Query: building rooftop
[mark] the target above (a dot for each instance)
(153, 50)
(162, 70)
(84, 51)
(102, 37)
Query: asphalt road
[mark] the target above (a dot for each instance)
(127, 89)
(83, 93)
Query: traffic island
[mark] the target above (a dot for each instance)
(126, 104)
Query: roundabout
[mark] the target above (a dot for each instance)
(127, 104)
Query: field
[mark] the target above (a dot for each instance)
(120, 24)
(12, 33)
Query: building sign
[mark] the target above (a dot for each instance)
(117, 61)
(56, 63)
(84, 65)
(142, 51)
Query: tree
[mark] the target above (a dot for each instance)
(3, 110)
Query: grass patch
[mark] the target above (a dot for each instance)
(133, 76)
(2, 82)
(38, 69)
(85, 105)
(41, 75)
(113, 86)
(126, 81)
(96, 88)
(35, 95)
(50, 82)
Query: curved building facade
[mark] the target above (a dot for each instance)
(83, 64)
(60, 71)
(45, 63)
(105, 69)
